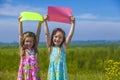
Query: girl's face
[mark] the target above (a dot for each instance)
(29, 42)
(58, 38)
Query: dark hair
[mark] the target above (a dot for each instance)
(54, 32)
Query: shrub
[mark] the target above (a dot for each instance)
(112, 70)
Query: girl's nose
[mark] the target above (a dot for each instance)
(57, 38)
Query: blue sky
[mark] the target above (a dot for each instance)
(95, 19)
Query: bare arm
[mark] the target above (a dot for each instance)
(38, 32)
(20, 36)
(20, 33)
(47, 34)
(71, 32)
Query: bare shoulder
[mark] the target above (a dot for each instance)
(64, 46)
(49, 48)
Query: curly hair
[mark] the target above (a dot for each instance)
(29, 34)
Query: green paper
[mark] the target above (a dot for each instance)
(31, 16)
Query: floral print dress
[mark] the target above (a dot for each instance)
(28, 69)
(57, 67)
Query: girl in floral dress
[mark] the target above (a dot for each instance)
(28, 42)
(57, 45)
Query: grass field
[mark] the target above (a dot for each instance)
(83, 63)
(77, 76)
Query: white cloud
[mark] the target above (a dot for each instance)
(84, 30)
(99, 23)
(104, 30)
(113, 18)
(10, 10)
(90, 16)
(87, 16)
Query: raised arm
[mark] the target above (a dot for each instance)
(38, 33)
(47, 34)
(20, 33)
(71, 32)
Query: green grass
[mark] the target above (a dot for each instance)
(83, 63)
(77, 76)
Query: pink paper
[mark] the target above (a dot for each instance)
(59, 14)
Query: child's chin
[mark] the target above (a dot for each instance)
(28, 47)
(57, 45)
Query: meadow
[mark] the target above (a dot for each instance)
(84, 61)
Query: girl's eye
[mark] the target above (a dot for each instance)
(59, 37)
(27, 41)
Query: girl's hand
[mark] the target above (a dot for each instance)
(45, 17)
(41, 22)
(19, 18)
(73, 19)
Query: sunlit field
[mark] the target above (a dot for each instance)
(83, 62)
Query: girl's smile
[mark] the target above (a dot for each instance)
(29, 42)
(58, 38)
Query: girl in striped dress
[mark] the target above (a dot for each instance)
(57, 45)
